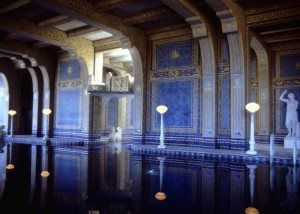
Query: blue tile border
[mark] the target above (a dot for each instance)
(203, 155)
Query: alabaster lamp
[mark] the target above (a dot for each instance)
(162, 109)
(45, 172)
(46, 112)
(252, 108)
(12, 113)
(9, 152)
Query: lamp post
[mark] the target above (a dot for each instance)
(12, 113)
(161, 195)
(45, 172)
(9, 151)
(251, 209)
(46, 112)
(162, 109)
(252, 108)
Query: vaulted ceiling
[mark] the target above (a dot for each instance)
(274, 21)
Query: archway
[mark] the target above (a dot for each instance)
(4, 100)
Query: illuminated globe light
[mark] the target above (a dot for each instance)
(10, 166)
(252, 107)
(12, 112)
(45, 174)
(46, 111)
(251, 210)
(162, 109)
(160, 196)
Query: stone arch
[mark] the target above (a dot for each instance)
(263, 86)
(86, 132)
(46, 97)
(209, 87)
(35, 100)
(4, 96)
(137, 90)
(238, 113)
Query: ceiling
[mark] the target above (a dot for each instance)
(281, 25)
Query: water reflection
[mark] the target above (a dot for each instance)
(110, 179)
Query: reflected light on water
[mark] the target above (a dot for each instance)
(160, 196)
(45, 174)
(10, 166)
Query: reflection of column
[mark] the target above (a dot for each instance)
(45, 172)
(252, 182)
(9, 153)
(161, 195)
(32, 174)
(3, 162)
(272, 176)
(292, 201)
(137, 184)
(208, 189)
(237, 194)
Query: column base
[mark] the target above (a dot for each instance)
(161, 146)
(251, 152)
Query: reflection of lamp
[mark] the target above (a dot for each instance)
(251, 209)
(45, 172)
(9, 152)
(46, 112)
(161, 195)
(162, 109)
(12, 113)
(252, 108)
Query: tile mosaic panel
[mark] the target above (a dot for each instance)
(69, 70)
(68, 108)
(175, 52)
(182, 97)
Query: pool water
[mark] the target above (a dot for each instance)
(112, 179)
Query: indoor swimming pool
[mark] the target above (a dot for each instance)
(115, 179)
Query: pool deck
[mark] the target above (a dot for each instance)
(282, 155)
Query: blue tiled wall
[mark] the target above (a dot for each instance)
(112, 119)
(177, 96)
(68, 110)
(182, 97)
(177, 54)
(69, 70)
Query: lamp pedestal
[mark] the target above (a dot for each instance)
(11, 126)
(11, 113)
(162, 109)
(162, 136)
(252, 151)
(46, 112)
